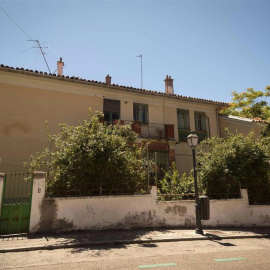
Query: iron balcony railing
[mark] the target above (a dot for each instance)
(150, 130)
(153, 131)
(183, 134)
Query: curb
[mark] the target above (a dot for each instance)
(127, 242)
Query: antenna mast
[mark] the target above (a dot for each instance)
(141, 71)
(39, 47)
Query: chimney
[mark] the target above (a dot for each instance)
(60, 66)
(169, 85)
(108, 79)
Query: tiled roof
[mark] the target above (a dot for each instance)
(245, 119)
(116, 86)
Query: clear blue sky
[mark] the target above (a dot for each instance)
(210, 48)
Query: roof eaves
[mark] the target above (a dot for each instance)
(114, 86)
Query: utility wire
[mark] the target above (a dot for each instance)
(29, 38)
(16, 24)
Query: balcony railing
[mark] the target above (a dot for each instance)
(183, 134)
(150, 130)
(153, 131)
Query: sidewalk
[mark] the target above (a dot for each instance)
(78, 239)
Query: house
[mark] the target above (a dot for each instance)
(240, 124)
(29, 98)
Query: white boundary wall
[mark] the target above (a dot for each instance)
(113, 212)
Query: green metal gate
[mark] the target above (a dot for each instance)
(16, 203)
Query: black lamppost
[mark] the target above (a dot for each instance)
(192, 140)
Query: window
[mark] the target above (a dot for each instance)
(200, 125)
(111, 110)
(140, 112)
(200, 121)
(183, 119)
(183, 125)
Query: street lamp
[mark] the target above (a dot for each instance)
(192, 140)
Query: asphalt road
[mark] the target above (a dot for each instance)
(223, 254)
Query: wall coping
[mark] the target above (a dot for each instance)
(258, 205)
(39, 174)
(98, 197)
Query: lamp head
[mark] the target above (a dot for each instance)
(192, 140)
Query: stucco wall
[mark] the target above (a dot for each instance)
(23, 115)
(112, 212)
(240, 124)
(28, 101)
(183, 157)
(38, 194)
(108, 212)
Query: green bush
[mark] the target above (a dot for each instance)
(238, 160)
(92, 158)
(172, 183)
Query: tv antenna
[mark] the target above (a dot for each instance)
(39, 47)
(141, 71)
(35, 40)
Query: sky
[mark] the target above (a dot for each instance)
(209, 47)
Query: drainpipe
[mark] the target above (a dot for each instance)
(148, 172)
(218, 129)
(208, 123)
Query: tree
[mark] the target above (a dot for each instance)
(250, 103)
(92, 158)
(237, 160)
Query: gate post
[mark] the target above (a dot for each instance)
(37, 197)
(2, 176)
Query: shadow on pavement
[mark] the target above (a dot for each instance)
(109, 239)
(81, 240)
(212, 236)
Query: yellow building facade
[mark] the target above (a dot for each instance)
(240, 124)
(29, 98)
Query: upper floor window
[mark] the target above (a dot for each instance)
(183, 119)
(111, 110)
(140, 112)
(200, 121)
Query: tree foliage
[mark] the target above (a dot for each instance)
(250, 103)
(92, 157)
(237, 160)
(172, 183)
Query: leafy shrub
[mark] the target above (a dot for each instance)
(172, 183)
(92, 158)
(237, 160)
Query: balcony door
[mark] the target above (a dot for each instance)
(140, 113)
(111, 110)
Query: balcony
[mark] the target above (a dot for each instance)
(153, 131)
(183, 134)
(150, 130)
